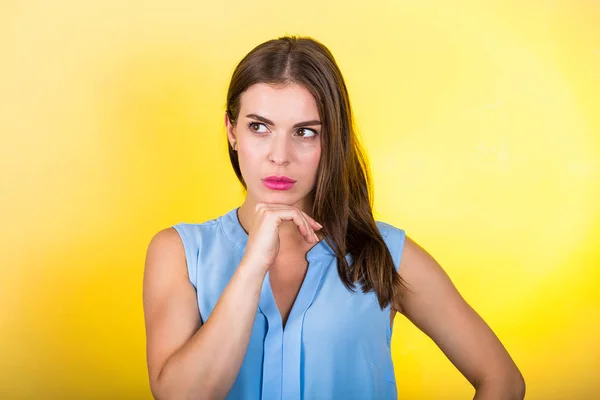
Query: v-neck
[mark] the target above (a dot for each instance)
(320, 251)
(282, 346)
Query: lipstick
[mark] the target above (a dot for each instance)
(275, 182)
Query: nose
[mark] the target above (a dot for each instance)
(279, 151)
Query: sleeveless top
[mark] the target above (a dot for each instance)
(335, 345)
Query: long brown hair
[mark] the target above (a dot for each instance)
(343, 194)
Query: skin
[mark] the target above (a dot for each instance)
(185, 361)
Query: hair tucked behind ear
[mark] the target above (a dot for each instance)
(343, 194)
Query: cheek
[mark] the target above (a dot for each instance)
(247, 156)
(312, 162)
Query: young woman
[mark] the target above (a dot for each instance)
(292, 294)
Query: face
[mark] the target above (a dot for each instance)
(278, 135)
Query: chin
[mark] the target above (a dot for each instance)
(279, 199)
(283, 197)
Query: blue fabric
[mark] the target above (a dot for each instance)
(335, 345)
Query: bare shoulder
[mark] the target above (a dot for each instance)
(165, 248)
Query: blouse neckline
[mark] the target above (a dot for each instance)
(234, 230)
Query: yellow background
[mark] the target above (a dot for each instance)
(481, 121)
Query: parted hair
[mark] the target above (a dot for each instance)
(343, 194)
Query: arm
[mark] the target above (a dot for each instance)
(185, 358)
(436, 308)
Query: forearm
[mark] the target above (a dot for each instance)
(207, 365)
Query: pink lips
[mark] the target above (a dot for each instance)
(278, 182)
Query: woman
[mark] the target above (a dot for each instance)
(292, 295)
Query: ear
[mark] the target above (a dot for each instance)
(230, 130)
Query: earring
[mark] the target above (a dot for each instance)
(234, 145)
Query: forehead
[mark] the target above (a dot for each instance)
(290, 102)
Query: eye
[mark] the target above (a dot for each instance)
(307, 131)
(253, 125)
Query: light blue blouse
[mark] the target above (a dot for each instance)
(335, 345)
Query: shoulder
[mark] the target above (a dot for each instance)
(398, 241)
(193, 234)
(178, 245)
(416, 266)
(165, 248)
(181, 235)
(190, 229)
(388, 230)
(395, 239)
(165, 240)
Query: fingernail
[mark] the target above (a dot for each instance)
(320, 226)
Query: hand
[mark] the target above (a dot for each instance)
(263, 238)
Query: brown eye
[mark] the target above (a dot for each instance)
(307, 131)
(252, 126)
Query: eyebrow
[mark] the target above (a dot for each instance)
(298, 125)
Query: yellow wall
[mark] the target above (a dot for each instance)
(480, 119)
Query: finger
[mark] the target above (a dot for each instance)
(313, 237)
(301, 215)
(294, 215)
(306, 225)
(273, 206)
(316, 226)
(288, 214)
